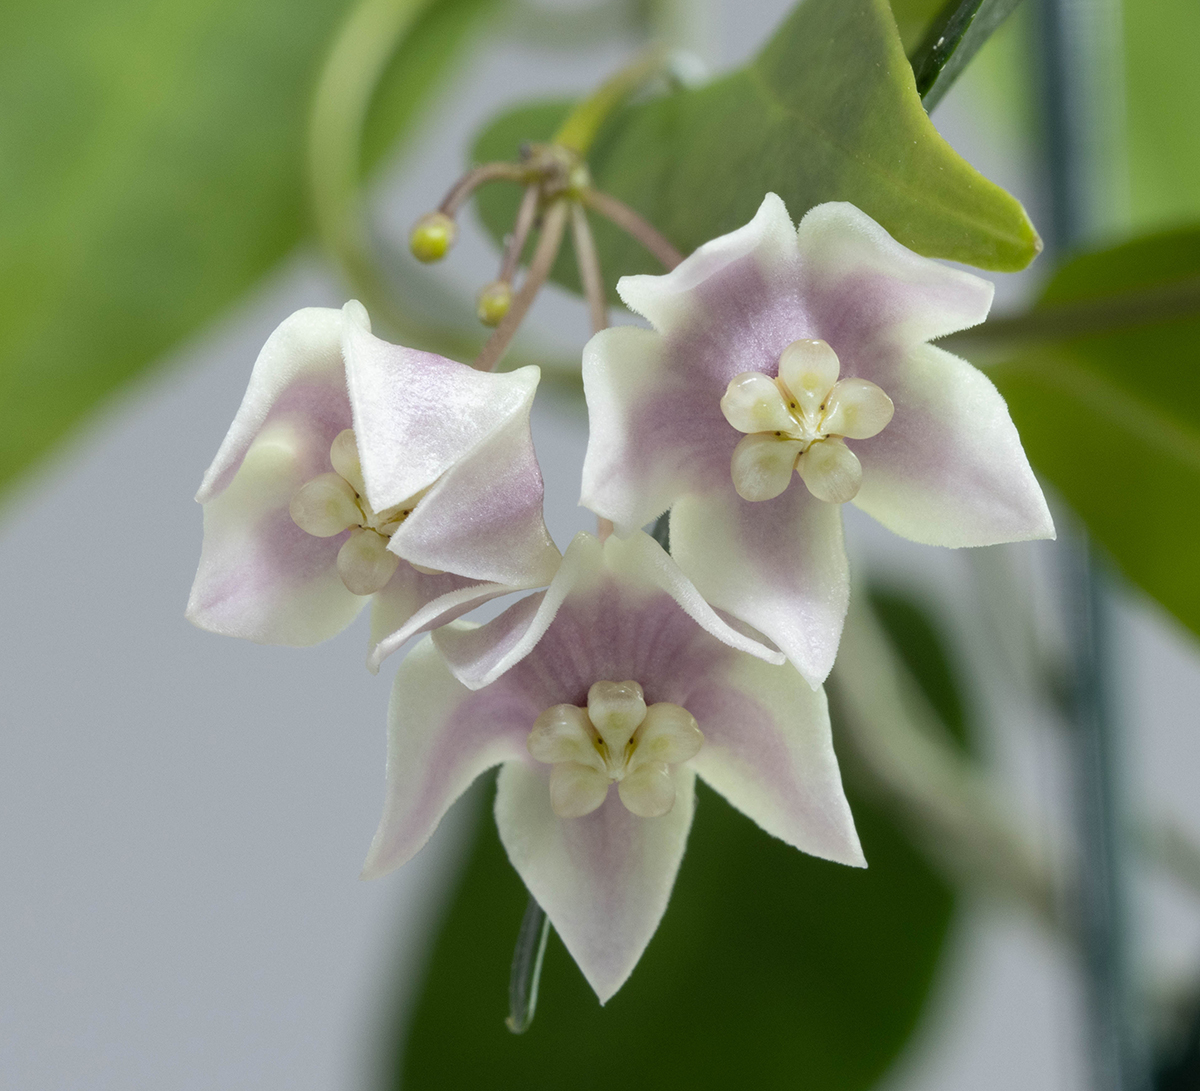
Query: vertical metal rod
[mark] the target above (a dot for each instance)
(1077, 60)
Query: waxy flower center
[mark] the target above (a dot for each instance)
(800, 421)
(335, 502)
(616, 738)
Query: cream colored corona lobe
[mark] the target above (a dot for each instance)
(799, 421)
(616, 738)
(335, 502)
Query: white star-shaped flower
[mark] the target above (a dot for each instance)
(788, 371)
(356, 471)
(603, 697)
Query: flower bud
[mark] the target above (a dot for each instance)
(493, 302)
(432, 236)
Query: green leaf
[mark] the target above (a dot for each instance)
(953, 38)
(151, 167)
(1162, 102)
(771, 969)
(1110, 412)
(913, 20)
(827, 111)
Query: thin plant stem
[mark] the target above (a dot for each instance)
(526, 214)
(553, 223)
(1085, 318)
(633, 224)
(473, 179)
(579, 130)
(527, 967)
(1080, 46)
(589, 268)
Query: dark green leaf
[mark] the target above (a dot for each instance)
(1112, 417)
(151, 166)
(771, 969)
(827, 111)
(913, 20)
(953, 38)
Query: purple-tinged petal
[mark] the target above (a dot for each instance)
(260, 576)
(654, 399)
(670, 300)
(441, 736)
(416, 414)
(603, 879)
(779, 565)
(949, 469)
(415, 602)
(638, 458)
(483, 517)
(768, 750)
(863, 287)
(298, 376)
(608, 604)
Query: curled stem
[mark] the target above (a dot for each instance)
(633, 224)
(553, 223)
(527, 967)
(473, 179)
(589, 268)
(364, 46)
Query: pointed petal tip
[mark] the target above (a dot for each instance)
(357, 314)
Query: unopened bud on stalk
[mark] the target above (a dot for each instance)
(432, 235)
(493, 303)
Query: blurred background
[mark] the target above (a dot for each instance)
(183, 817)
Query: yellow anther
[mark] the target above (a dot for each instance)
(493, 303)
(432, 236)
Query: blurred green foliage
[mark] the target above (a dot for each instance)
(151, 171)
(1162, 81)
(827, 111)
(771, 969)
(1111, 416)
(925, 653)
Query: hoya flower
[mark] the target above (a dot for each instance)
(789, 371)
(359, 471)
(604, 696)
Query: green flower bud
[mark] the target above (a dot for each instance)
(432, 235)
(493, 302)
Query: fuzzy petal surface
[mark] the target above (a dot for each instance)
(779, 565)
(298, 376)
(862, 287)
(483, 517)
(415, 602)
(607, 609)
(769, 751)
(260, 576)
(416, 414)
(950, 469)
(441, 736)
(604, 879)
